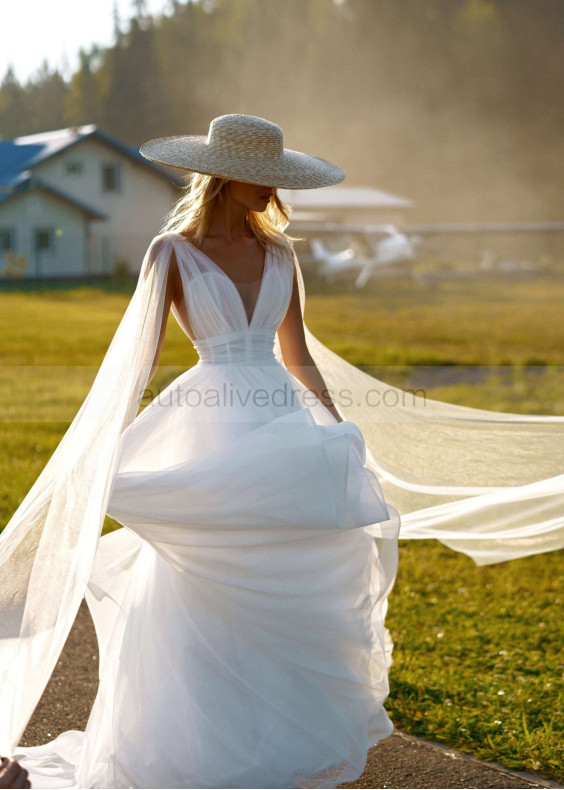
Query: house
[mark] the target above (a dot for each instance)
(76, 202)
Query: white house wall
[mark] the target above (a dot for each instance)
(38, 210)
(134, 213)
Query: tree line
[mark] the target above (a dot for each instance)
(419, 96)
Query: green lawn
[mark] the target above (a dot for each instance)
(476, 661)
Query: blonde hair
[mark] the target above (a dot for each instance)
(191, 215)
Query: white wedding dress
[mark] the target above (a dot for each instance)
(240, 613)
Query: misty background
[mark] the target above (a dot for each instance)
(455, 104)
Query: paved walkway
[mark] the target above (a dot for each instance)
(401, 761)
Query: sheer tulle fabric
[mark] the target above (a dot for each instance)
(47, 550)
(240, 616)
(486, 483)
(259, 550)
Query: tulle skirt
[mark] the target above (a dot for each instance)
(240, 613)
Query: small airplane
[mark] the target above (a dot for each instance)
(393, 249)
(333, 264)
(389, 248)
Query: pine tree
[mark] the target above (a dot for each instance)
(46, 95)
(83, 104)
(14, 114)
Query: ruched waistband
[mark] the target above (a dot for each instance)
(245, 347)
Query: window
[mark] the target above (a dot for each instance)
(7, 241)
(111, 178)
(73, 168)
(43, 240)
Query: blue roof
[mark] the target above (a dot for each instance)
(24, 153)
(15, 159)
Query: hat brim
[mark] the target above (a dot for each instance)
(291, 170)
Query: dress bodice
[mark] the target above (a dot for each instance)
(218, 308)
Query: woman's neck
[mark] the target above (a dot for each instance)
(229, 221)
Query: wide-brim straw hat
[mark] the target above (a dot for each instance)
(244, 148)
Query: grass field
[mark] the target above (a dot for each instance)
(477, 662)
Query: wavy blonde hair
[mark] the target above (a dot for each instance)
(191, 215)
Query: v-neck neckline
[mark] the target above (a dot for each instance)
(228, 278)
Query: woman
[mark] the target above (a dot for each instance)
(240, 615)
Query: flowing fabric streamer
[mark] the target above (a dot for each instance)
(485, 483)
(47, 550)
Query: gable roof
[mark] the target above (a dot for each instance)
(14, 162)
(22, 154)
(33, 183)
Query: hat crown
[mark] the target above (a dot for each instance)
(246, 136)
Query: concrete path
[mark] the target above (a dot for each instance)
(401, 761)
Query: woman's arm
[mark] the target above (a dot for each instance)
(12, 775)
(296, 354)
(173, 296)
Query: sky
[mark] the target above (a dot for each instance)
(34, 30)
